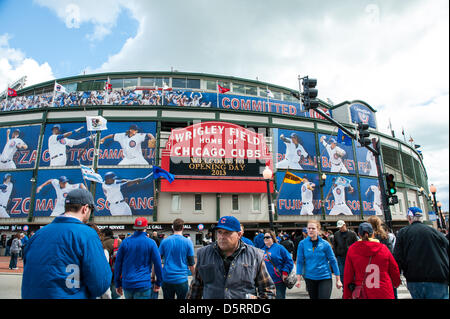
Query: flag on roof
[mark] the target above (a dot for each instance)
(269, 93)
(59, 88)
(222, 90)
(12, 92)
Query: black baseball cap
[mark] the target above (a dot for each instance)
(80, 196)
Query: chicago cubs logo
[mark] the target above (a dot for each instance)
(223, 220)
(12, 144)
(63, 141)
(132, 144)
(338, 191)
(335, 156)
(363, 117)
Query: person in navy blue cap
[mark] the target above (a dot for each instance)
(421, 253)
(229, 268)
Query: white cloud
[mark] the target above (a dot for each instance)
(14, 64)
(101, 13)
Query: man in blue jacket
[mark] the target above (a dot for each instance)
(133, 268)
(65, 259)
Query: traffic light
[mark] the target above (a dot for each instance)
(363, 134)
(390, 184)
(391, 190)
(309, 94)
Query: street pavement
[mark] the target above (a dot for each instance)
(11, 281)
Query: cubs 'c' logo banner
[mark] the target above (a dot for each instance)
(361, 113)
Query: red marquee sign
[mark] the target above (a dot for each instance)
(211, 151)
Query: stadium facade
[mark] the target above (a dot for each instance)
(215, 133)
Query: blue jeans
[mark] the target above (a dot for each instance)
(281, 291)
(170, 290)
(114, 294)
(13, 260)
(428, 290)
(341, 265)
(138, 293)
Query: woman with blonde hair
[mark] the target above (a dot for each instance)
(314, 257)
(379, 232)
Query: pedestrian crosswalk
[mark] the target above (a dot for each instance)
(402, 290)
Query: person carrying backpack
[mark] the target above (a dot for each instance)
(111, 244)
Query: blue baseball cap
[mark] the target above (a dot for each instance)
(414, 212)
(365, 228)
(305, 230)
(63, 179)
(109, 175)
(228, 223)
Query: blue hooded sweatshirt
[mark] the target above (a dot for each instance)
(65, 260)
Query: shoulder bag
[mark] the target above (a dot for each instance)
(290, 280)
(358, 292)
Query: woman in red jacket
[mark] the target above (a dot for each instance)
(381, 274)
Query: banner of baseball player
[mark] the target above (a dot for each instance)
(122, 143)
(145, 96)
(67, 144)
(336, 157)
(128, 143)
(124, 192)
(371, 196)
(360, 113)
(298, 196)
(52, 188)
(366, 161)
(341, 195)
(296, 150)
(19, 145)
(15, 191)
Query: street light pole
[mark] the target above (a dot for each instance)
(267, 174)
(433, 191)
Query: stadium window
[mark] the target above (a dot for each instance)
(159, 81)
(176, 202)
(408, 168)
(276, 95)
(148, 82)
(197, 202)
(130, 83)
(251, 90)
(179, 83)
(116, 83)
(235, 202)
(193, 83)
(238, 88)
(262, 92)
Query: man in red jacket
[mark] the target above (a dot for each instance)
(370, 264)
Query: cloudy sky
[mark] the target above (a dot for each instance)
(391, 54)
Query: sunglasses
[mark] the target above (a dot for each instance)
(267, 237)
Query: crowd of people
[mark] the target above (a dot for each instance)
(70, 258)
(130, 97)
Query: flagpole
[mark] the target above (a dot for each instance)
(217, 88)
(54, 93)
